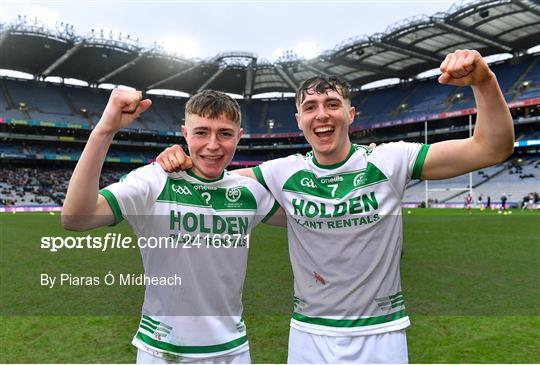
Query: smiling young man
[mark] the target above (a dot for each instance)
(343, 205)
(207, 212)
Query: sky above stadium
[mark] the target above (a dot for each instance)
(205, 28)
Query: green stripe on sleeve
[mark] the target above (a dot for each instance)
(258, 174)
(419, 163)
(177, 349)
(272, 211)
(113, 203)
(360, 322)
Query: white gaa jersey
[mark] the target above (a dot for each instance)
(207, 225)
(345, 236)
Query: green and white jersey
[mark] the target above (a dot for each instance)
(204, 228)
(345, 236)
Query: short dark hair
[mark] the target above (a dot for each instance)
(322, 84)
(213, 104)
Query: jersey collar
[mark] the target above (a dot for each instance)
(336, 165)
(190, 173)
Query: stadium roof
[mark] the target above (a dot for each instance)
(404, 50)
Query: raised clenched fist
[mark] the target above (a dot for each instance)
(123, 107)
(465, 68)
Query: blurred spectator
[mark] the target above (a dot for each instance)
(23, 185)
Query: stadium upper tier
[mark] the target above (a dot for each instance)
(415, 100)
(404, 50)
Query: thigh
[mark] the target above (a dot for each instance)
(389, 347)
(307, 348)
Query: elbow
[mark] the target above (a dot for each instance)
(67, 222)
(71, 223)
(501, 156)
(506, 153)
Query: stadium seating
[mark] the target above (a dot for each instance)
(380, 102)
(514, 182)
(83, 105)
(493, 181)
(42, 186)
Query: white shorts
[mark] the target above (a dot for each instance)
(384, 348)
(144, 357)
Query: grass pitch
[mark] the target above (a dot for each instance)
(471, 284)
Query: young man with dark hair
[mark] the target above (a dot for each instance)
(207, 213)
(343, 205)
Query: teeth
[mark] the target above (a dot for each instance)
(323, 129)
(212, 157)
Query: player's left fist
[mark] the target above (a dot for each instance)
(465, 68)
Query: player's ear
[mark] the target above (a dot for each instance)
(240, 133)
(184, 132)
(352, 114)
(297, 116)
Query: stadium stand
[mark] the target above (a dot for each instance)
(441, 190)
(516, 181)
(48, 123)
(417, 99)
(513, 179)
(41, 186)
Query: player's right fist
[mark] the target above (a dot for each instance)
(174, 159)
(123, 107)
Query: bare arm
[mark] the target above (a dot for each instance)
(493, 138)
(83, 208)
(279, 219)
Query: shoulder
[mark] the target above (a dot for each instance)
(145, 171)
(239, 180)
(150, 174)
(395, 149)
(296, 158)
(285, 164)
(390, 146)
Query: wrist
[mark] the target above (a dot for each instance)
(102, 133)
(488, 82)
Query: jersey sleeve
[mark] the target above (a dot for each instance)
(132, 197)
(266, 204)
(272, 174)
(401, 161)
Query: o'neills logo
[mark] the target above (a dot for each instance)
(233, 194)
(358, 179)
(204, 187)
(332, 179)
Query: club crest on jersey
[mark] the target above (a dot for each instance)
(180, 190)
(233, 194)
(359, 179)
